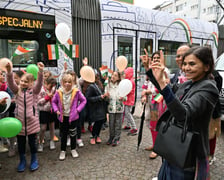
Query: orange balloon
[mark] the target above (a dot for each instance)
(4, 62)
(121, 63)
(87, 73)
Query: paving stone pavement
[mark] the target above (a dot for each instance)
(100, 161)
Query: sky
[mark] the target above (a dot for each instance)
(148, 3)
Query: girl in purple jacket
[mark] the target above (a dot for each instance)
(68, 102)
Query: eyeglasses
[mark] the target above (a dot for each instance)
(179, 55)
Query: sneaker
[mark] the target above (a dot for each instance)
(132, 132)
(52, 145)
(74, 153)
(68, 141)
(98, 140)
(40, 148)
(92, 141)
(126, 127)
(83, 129)
(56, 138)
(109, 142)
(62, 155)
(3, 149)
(155, 178)
(115, 142)
(79, 142)
(212, 160)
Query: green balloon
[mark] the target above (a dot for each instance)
(9, 127)
(32, 69)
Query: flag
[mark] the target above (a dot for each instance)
(103, 70)
(75, 51)
(53, 52)
(106, 82)
(110, 72)
(158, 98)
(20, 50)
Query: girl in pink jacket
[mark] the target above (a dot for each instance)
(26, 96)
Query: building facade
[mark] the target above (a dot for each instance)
(208, 10)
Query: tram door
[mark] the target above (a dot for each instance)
(131, 43)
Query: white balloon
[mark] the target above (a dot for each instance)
(62, 32)
(124, 87)
(4, 94)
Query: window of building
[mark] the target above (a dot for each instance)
(194, 7)
(210, 10)
(179, 7)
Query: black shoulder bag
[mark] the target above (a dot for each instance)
(176, 143)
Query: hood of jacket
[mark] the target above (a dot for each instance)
(129, 73)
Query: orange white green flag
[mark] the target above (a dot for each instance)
(20, 50)
(103, 70)
(158, 98)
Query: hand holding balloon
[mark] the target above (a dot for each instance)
(5, 100)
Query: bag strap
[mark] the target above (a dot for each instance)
(184, 128)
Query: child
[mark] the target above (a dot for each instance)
(67, 102)
(26, 111)
(46, 75)
(115, 109)
(46, 116)
(12, 148)
(96, 108)
(129, 103)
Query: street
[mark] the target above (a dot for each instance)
(100, 161)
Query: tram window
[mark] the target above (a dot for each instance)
(169, 49)
(125, 48)
(146, 44)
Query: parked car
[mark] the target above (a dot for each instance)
(219, 66)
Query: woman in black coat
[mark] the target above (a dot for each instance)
(96, 108)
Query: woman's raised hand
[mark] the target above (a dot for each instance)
(146, 60)
(158, 71)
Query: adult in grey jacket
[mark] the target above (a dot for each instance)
(196, 98)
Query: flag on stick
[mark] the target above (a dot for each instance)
(158, 98)
(20, 50)
(103, 70)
